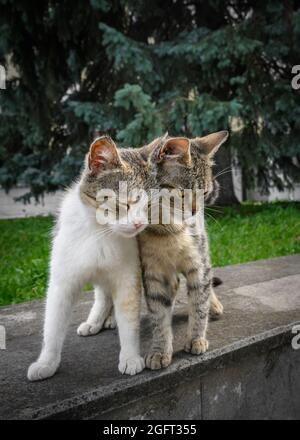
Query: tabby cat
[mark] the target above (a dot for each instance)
(166, 250)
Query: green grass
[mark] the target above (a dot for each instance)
(24, 255)
(254, 232)
(237, 235)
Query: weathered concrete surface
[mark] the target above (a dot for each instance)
(250, 370)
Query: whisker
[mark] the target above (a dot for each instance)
(222, 173)
(226, 169)
(218, 206)
(214, 210)
(218, 223)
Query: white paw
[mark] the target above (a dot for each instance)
(41, 370)
(86, 329)
(132, 365)
(110, 322)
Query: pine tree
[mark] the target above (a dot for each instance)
(138, 69)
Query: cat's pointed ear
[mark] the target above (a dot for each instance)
(147, 151)
(210, 144)
(103, 155)
(174, 149)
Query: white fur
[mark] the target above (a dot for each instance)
(82, 252)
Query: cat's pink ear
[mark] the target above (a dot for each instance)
(210, 144)
(175, 148)
(103, 155)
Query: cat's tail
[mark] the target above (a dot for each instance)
(216, 281)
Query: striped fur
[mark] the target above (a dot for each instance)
(166, 252)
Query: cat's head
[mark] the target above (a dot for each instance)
(110, 172)
(187, 163)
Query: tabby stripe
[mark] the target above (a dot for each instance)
(206, 286)
(198, 286)
(191, 271)
(158, 297)
(194, 286)
(152, 278)
(207, 272)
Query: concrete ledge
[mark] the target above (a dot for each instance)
(250, 371)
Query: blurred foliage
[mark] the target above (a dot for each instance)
(135, 70)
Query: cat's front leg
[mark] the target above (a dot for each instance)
(201, 241)
(60, 298)
(160, 293)
(199, 285)
(101, 314)
(127, 305)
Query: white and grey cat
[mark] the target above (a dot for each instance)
(83, 251)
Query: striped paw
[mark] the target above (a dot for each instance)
(196, 346)
(156, 360)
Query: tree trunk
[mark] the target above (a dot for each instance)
(223, 165)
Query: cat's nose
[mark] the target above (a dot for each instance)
(137, 225)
